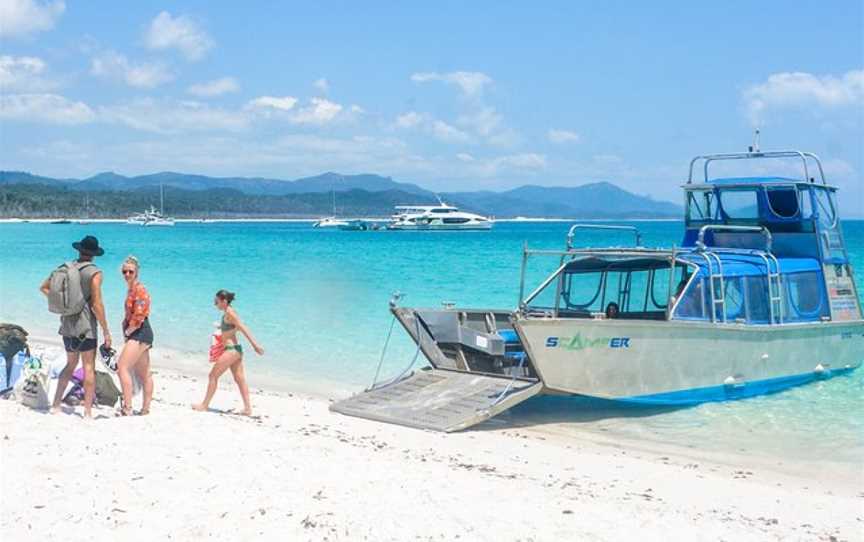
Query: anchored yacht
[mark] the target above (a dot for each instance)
(759, 297)
(436, 217)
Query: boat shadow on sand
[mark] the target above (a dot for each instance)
(550, 409)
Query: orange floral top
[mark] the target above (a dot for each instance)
(137, 306)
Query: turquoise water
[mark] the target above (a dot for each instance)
(317, 301)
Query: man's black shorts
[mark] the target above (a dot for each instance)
(74, 344)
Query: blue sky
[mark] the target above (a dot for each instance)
(489, 95)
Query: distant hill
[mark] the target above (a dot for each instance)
(325, 182)
(112, 195)
(577, 201)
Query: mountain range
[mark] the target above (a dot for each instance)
(309, 196)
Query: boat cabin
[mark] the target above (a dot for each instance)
(756, 250)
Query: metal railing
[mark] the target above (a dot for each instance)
(804, 156)
(700, 241)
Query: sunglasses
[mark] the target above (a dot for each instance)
(128, 272)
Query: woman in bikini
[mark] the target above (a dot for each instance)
(232, 357)
(139, 339)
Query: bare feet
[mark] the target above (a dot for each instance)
(55, 410)
(143, 412)
(199, 407)
(246, 412)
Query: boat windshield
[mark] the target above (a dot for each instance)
(595, 288)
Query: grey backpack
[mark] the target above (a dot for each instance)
(65, 295)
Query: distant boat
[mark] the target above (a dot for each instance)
(436, 217)
(360, 225)
(331, 221)
(62, 221)
(152, 217)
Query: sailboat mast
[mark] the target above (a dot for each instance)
(161, 199)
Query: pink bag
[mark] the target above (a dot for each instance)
(217, 347)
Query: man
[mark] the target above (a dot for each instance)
(79, 330)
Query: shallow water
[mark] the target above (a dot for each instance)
(317, 300)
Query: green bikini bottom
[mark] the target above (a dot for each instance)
(236, 347)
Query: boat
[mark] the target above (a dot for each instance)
(359, 225)
(331, 221)
(153, 217)
(759, 297)
(61, 221)
(436, 217)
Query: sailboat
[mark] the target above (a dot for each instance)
(331, 221)
(157, 218)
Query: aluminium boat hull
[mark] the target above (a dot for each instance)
(675, 363)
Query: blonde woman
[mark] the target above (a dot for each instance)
(232, 357)
(139, 339)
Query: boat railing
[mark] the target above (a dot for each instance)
(700, 241)
(805, 158)
(572, 232)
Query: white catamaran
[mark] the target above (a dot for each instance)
(759, 297)
(152, 217)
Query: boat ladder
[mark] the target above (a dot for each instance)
(775, 287)
(716, 285)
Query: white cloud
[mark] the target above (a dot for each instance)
(181, 33)
(524, 161)
(449, 134)
(217, 87)
(44, 108)
(563, 136)
(798, 90)
(322, 85)
(168, 116)
(485, 120)
(319, 111)
(410, 119)
(471, 84)
(23, 74)
(464, 157)
(284, 103)
(113, 65)
(18, 18)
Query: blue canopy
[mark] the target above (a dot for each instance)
(741, 265)
(755, 180)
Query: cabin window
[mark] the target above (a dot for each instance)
(739, 203)
(733, 300)
(691, 306)
(454, 220)
(804, 296)
(700, 205)
(805, 202)
(583, 292)
(783, 202)
(758, 303)
(825, 207)
(442, 211)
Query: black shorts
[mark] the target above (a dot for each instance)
(143, 334)
(74, 344)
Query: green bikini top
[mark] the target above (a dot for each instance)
(224, 326)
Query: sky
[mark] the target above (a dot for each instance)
(450, 95)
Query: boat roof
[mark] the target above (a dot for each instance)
(752, 181)
(735, 262)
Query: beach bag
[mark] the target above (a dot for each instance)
(107, 392)
(34, 391)
(65, 295)
(217, 347)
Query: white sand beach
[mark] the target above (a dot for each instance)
(296, 471)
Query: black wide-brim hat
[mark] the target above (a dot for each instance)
(88, 245)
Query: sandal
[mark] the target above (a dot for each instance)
(124, 410)
(143, 412)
